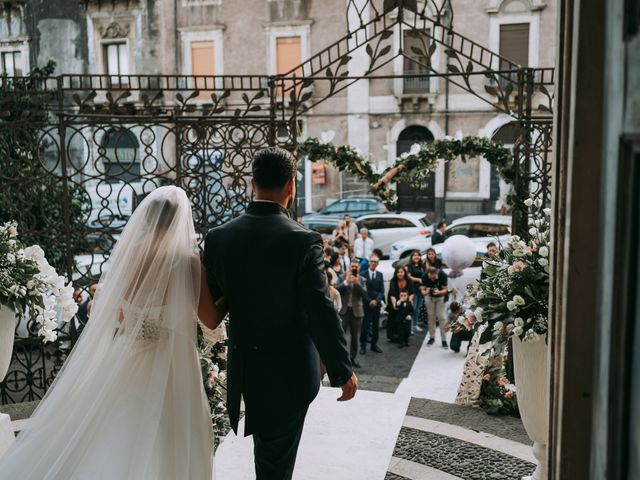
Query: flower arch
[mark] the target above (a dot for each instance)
(413, 167)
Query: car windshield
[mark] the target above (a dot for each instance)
(425, 221)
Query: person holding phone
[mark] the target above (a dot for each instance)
(435, 289)
(352, 291)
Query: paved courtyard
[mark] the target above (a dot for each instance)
(401, 425)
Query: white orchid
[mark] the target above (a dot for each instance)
(528, 202)
(538, 202)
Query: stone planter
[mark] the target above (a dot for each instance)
(7, 333)
(531, 366)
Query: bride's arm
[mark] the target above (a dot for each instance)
(210, 313)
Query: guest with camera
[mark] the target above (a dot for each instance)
(459, 333)
(435, 288)
(352, 292)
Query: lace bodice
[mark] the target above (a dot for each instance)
(151, 330)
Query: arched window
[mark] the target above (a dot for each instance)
(410, 198)
(121, 162)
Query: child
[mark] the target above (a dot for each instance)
(404, 317)
(460, 333)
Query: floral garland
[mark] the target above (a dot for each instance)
(413, 166)
(511, 298)
(214, 382)
(30, 286)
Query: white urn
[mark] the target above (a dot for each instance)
(530, 363)
(7, 333)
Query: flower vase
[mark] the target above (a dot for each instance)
(530, 363)
(7, 333)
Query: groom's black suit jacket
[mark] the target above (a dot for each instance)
(270, 270)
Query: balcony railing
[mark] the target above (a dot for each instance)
(416, 85)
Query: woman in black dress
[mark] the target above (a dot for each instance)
(416, 271)
(399, 282)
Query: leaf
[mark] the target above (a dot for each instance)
(491, 90)
(344, 60)
(260, 94)
(410, 5)
(225, 94)
(307, 82)
(245, 98)
(305, 97)
(453, 68)
(416, 50)
(255, 108)
(386, 34)
(179, 97)
(469, 68)
(389, 5)
(328, 72)
(385, 50)
(432, 48)
(77, 99)
(369, 50)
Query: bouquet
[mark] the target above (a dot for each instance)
(30, 286)
(214, 380)
(511, 298)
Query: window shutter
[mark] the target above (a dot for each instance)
(202, 63)
(514, 43)
(288, 57)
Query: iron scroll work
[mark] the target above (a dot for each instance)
(104, 142)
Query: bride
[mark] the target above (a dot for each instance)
(129, 402)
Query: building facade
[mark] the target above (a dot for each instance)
(382, 116)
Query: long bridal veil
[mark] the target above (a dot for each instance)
(129, 402)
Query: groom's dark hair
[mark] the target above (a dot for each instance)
(273, 167)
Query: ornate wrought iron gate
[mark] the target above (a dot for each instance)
(84, 149)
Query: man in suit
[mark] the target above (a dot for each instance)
(352, 292)
(372, 304)
(438, 235)
(276, 334)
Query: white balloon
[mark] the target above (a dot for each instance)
(458, 252)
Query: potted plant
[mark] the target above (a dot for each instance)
(29, 288)
(511, 302)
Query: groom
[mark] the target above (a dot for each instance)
(270, 270)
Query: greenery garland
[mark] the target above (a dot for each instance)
(412, 167)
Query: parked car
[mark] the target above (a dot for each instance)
(322, 225)
(354, 206)
(387, 228)
(114, 222)
(481, 229)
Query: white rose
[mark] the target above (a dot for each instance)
(518, 300)
(12, 243)
(547, 211)
(31, 284)
(528, 202)
(509, 328)
(544, 252)
(518, 331)
(511, 270)
(498, 326)
(543, 262)
(11, 258)
(533, 231)
(511, 306)
(472, 301)
(13, 231)
(518, 322)
(415, 149)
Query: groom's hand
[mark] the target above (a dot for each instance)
(349, 389)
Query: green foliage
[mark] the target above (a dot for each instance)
(413, 167)
(49, 212)
(497, 397)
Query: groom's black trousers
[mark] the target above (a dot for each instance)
(275, 449)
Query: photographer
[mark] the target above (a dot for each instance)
(435, 288)
(352, 292)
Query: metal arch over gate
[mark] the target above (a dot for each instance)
(95, 145)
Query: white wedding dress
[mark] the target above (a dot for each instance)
(129, 402)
